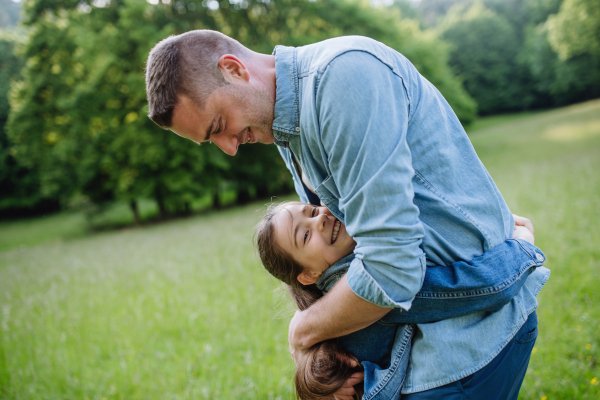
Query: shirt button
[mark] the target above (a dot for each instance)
(297, 129)
(539, 257)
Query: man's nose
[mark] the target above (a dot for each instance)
(228, 144)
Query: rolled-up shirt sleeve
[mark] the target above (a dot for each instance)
(363, 111)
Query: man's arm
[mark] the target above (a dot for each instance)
(363, 112)
(339, 313)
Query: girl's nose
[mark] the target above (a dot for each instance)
(321, 221)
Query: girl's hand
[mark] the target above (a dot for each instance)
(347, 391)
(523, 229)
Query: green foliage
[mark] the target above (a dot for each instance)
(521, 54)
(484, 54)
(19, 185)
(540, 10)
(10, 65)
(431, 12)
(563, 53)
(575, 30)
(564, 81)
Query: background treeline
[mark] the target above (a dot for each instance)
(516, 55)
(74, 132)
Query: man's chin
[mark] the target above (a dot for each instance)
(268, 138)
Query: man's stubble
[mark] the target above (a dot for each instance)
(258, 105)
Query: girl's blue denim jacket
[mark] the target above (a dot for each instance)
(486, 283)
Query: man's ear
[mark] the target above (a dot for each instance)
(308, 278)
(233, 68)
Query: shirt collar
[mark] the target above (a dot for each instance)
(286, 113)
(333, 273)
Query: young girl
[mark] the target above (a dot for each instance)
(308, 249)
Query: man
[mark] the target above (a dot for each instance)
(381, 148)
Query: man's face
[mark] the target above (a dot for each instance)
(234, 114)
(313, 237)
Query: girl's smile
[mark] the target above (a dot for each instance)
(313, 237)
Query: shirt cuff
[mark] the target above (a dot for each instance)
(367, 288)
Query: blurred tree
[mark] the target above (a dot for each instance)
(508, 55)
(538, 11)
(432, 12)
(562, 81)
(575, 30)
(562, 50)
(484, 52)
(19, 185)
(79, 113)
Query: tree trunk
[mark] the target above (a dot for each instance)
(216, 201)
(243, 196)
(162, 210)
(136, 214)
(262, 192)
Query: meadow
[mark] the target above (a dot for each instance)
(183, 309)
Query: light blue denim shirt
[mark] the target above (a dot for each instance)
(387, 155)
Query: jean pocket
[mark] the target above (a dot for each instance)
(529, 331)
(528, 336)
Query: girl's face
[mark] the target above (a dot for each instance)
(313, 237)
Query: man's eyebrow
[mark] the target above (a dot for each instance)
(209, 130)
(298, 226)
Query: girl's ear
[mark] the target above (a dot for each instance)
(308, 278)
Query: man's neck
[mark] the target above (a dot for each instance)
(263, 66)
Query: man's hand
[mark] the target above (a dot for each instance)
(347, 391)
(297, 350)
(338, 313)
(523, 229)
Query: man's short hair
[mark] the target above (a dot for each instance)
(186, 64)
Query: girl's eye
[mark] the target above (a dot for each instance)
(314, 212)
(305, 236)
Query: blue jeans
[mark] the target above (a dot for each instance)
(501, 379)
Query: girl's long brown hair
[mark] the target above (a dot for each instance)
(327, 365)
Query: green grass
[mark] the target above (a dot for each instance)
(179, 310)
(486, 122)
(183, 310)
(33, 231)
(547, 167)
(68, 225)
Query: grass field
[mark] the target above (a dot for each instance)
(183, 310)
